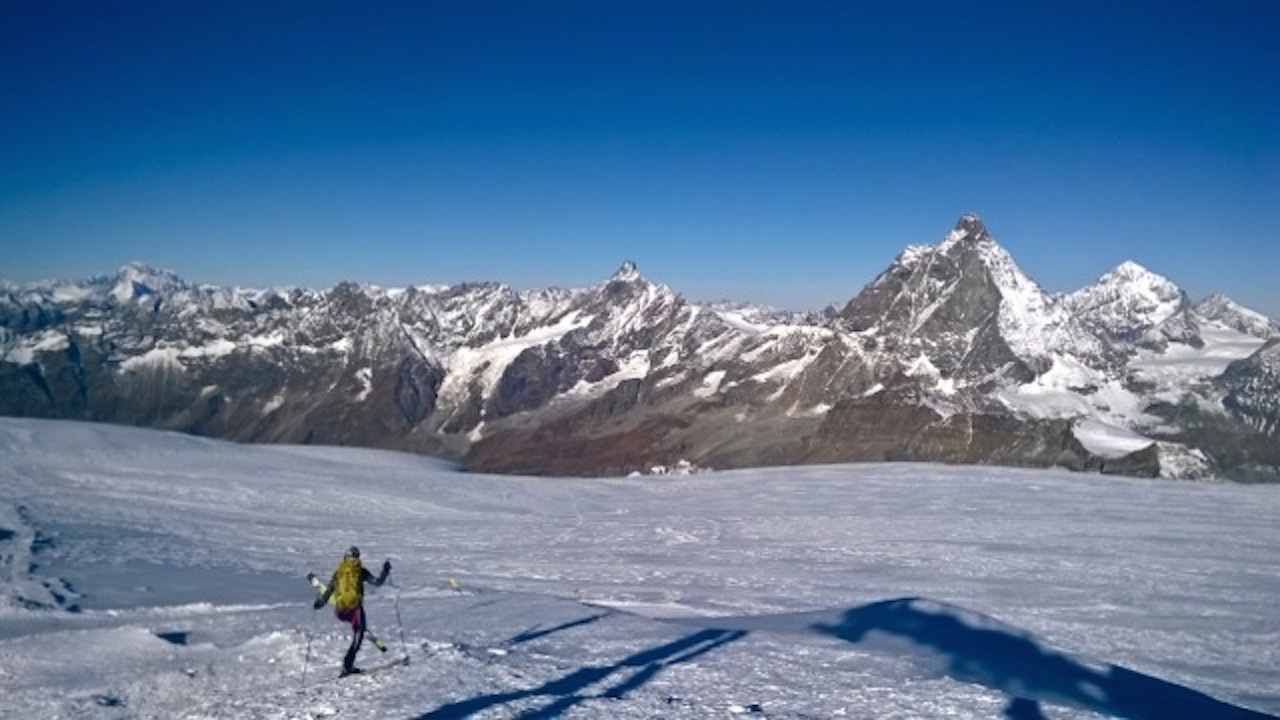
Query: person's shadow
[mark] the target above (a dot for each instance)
(564, 693)
(974, 649)
(999, 658)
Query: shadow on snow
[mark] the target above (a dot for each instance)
(536, 632)
(567, 691)
(974, 648)
(979, 650)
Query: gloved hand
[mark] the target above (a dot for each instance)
(319, 603)
(386, 566)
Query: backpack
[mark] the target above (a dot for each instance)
(348, 585)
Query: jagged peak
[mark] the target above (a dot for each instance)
(972, 224)
(1130, 267)
(968, 238)
(1134, 285)
(1133, 306)
(1217, 304)
(1130, 271)
(1222, 309)
(1216, 300)
(969, 229)
(140, 270)
(137, 279)
(970, 235)
(627, 273)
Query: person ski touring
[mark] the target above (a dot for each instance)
(346, 591)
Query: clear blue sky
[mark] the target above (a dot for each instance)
(777, 152)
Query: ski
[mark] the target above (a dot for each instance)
(398, 662)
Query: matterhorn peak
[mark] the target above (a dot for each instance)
(968, 230)
(971, 224)
(626, 273)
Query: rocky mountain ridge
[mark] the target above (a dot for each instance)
(951, 354)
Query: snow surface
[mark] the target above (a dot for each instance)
(1057, 393)
(1109, 441)
(868, 591)
(637, 365)
(489, 361)
(710, 384)
(364, 376)
(1181, 363)
(738, 320)
(1109, 416)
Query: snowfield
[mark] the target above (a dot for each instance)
(155, 575)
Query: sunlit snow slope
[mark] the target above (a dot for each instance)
(145, 574)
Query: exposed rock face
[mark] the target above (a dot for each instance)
(417, 387)
(944, 301)
(1252, 389)
(868, 432)
(952, 354)
(968, 307)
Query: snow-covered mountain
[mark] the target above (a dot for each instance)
(1221, 309)
(1252, 388)
(1134, 307)
(970, 310)
(951, 354)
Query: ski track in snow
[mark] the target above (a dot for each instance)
(874, 591)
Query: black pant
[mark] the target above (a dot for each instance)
(356, 617)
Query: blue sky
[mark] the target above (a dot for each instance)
(775, 152)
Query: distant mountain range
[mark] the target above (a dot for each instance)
(952, 354)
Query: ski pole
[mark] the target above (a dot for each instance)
(306, 660)
(400, 623)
